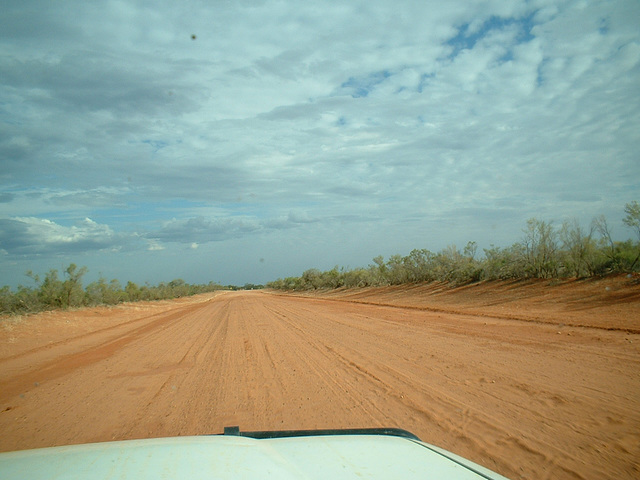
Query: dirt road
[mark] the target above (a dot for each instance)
(529, 400)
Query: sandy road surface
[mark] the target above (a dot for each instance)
(527, 400)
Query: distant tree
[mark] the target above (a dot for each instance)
(452, 265)
(293, 283)
(612, 261)
(540, 249)
(115, 293)
(577, 247)
(72, 292)
(379, 271)
(27, 300)
(504, 263)
(95, 292)
(177, 288)
(419, 265)
(7, 301)
(446, 263)
(133, 292)
(357, 278)
(632, 220)
(332, 278)
(51, 290)
(395, 271)
(102, 293)
(311, 279)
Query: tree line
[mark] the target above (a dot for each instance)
(545, 251)
(52, 292)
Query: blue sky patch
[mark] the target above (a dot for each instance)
(465, 40)
(156, 144)
(362, 86)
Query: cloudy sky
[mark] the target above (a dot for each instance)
(243, 141)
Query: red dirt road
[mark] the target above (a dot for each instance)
(526, 399)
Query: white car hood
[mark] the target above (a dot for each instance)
(225, 457)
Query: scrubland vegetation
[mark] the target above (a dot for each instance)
(52, 292)
(545, 251)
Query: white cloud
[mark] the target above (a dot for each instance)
(291, 119)
(154, 246)
(29, 235)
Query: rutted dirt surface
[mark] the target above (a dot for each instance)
(491, 372)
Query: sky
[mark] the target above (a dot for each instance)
(245, 141)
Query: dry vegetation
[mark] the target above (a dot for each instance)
(545, 251)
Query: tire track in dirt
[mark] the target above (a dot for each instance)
(92, 349)
(395, 390)
(477, 424)
(515, 397)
